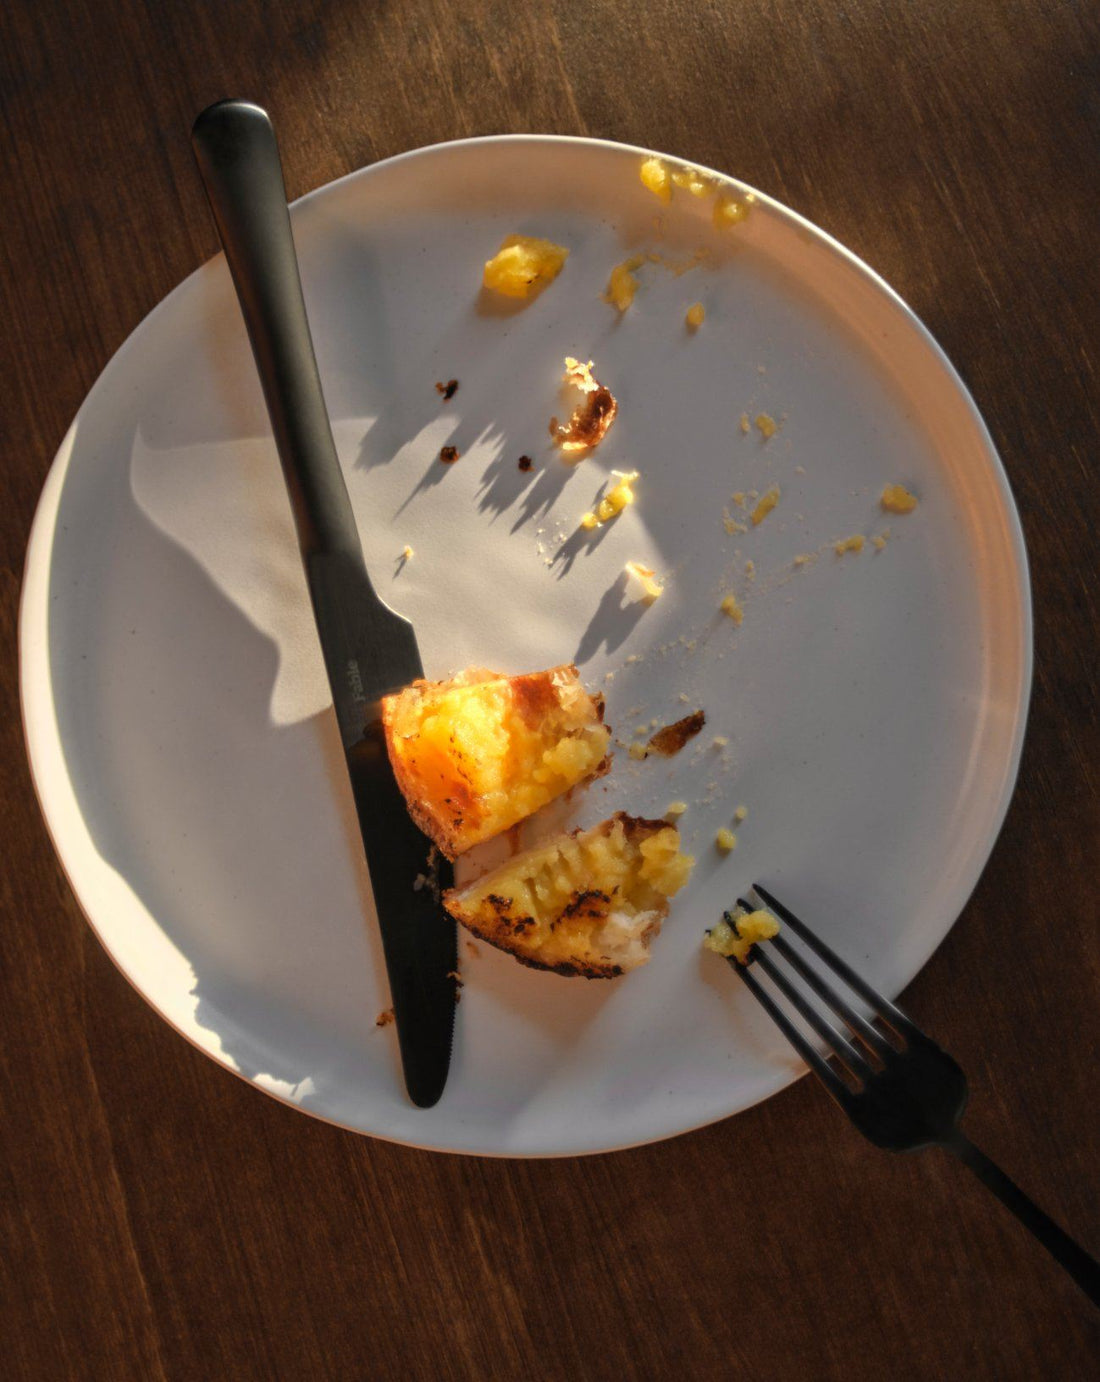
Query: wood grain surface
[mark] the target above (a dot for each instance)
(159, 1218)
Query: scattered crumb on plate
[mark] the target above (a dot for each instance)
(726, 840)
(735, 935)
(849, 544)
(732, 607)
(592, 418)
(448, 455)
(767, 502)
(448, 390)
(656, 178)
(384, 1018)
(672, 738)
(651, 587)
(767, 425)
(897, 499)
(696, 315)
(523, 266)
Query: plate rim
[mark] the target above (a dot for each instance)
(35, 698)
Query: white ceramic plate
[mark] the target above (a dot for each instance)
(175, 703)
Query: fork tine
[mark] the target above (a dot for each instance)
(862, 1028)
(851, 1056)
(853, 1059)
(885, 1009)
(817, 1062)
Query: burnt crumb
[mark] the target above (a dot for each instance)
(449, 455)
(384, 1018)
(525, 463)
(501, 905)
(448, 390)
(672, 738)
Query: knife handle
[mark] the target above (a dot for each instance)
(238, 157)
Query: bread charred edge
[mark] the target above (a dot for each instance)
(510, 942)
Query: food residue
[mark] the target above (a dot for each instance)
(767, 425)
(623, 282)
(617, 498)
(651, 587)
(637, 751)
(745, 424)
(448, 455)
(524, 265)
(693, 180)
(735, 935)
(656, 178)
(384, 1018)
(672, 738)
(676, 808)
(732, 607)
(407, 552)
(767, 502)
(849, 544)
(729, 211)
(879, 542)
(525, 463)
(696, 315)
(448, 390)
(592, 418)
(897, 499)
(740, 814)
(726, 840)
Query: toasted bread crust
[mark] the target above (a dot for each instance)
(508, 930)
(452, 821)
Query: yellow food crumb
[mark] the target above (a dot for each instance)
(805, 559)
(693, 179)
(768, 501)
(850, 544)
(651, 587)
(696, 314)
(740, 814)
(728, 211)
(767, 425)
(407, 552)
(726, 840)
(589, 520)
(751, 927)
(676, 808)
(880, 543)
(750, 569)
(623, 283)
(720, 741)
(731, 607)
(524, 265)
(637, 751)
(745, 423)
(897, 499)
(739, 499)
(656, 178)
(731, 525)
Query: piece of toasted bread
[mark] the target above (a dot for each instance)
(586, 903)
(481, 752)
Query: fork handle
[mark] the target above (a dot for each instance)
(1084, 1269)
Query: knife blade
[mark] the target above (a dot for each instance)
(369, 650)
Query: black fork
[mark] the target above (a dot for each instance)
(896, 1085)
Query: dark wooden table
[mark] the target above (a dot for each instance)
(160, 1218)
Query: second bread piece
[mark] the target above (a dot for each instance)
(585, 903)
(477, 754)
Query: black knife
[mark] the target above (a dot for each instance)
(369, 650)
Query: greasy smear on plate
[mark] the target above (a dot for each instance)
(592, 418)
(672, 738)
